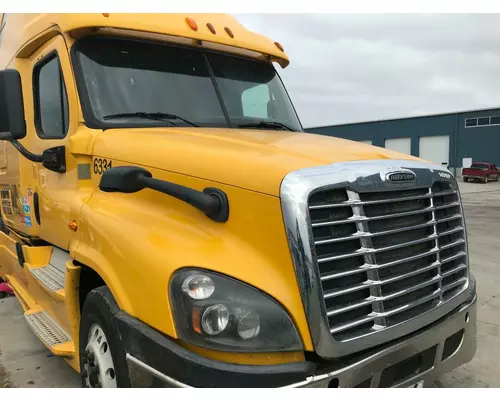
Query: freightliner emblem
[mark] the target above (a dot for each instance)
(400, 176)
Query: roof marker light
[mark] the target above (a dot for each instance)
(229, 32)
(279, 46)
(211, 28)
(105, 15)
(192, 24)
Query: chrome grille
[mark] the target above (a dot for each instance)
(386, 257)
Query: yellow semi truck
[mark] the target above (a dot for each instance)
(167, 222)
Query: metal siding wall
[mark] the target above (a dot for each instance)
(417, 127)
(481, 144)
(379, 131)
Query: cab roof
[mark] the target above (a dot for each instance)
(20, 29)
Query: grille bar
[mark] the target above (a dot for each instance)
(437, 293)
(367, 284)
(364, 203)
(360, 234)
(451, 218)
(453, 257)
(449, 205)
(358, 218)
(445, 193)
(366, 267)
(454, 270)
(451, 231)
(336, 311)
(365, 250)
(452, 244)
(396, 278)
(408, 259)
(461, 281)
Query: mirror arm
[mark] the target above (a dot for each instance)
(25, 152)
(211, 201)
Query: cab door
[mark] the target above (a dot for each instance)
(49, 83)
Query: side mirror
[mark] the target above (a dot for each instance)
(12, 122)
(127, 179)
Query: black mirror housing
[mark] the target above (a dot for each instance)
(12, 121)
(124, 179)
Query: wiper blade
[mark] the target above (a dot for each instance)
(265, 124)
(157, 116)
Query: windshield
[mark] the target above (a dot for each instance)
(118, 78)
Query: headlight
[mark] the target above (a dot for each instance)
(218, 312)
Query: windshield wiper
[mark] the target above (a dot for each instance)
(265, 124)
(157, 116)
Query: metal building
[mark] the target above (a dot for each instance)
(452, 139)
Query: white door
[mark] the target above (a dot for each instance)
(435, 149)
(401, 145)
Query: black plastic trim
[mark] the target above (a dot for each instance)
(36, 207)
(163, 354)
(20, 254)
(222, 215)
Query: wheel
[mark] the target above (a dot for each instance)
(102, 355)
(466, 179)
(485, 180)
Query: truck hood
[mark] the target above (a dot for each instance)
(257, 160)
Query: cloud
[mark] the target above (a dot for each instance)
(359, 67)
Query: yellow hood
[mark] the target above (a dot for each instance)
(257, 160)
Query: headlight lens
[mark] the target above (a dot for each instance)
(218, 312)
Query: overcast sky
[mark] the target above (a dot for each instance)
(350, 68)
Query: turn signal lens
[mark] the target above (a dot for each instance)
(198, 287)
(192, 24)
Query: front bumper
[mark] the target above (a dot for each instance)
(156, 361)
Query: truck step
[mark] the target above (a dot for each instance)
(51, 277)
(49, 332)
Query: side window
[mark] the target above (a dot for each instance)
(255, 102)
(51, 101)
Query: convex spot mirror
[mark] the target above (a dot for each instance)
(12, 122)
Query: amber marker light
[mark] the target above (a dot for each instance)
(279, 46)
(192, 24)
(211, 28)
(229, 32)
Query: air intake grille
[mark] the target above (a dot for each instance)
(386, 257)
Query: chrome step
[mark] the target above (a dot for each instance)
(46, 328)
(50, 276)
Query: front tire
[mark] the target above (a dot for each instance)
(102, 355)
(466, 180)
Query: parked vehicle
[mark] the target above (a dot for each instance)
(480, 171)
(167, 222)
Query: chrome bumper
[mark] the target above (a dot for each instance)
(424, 356)
(431, 357)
